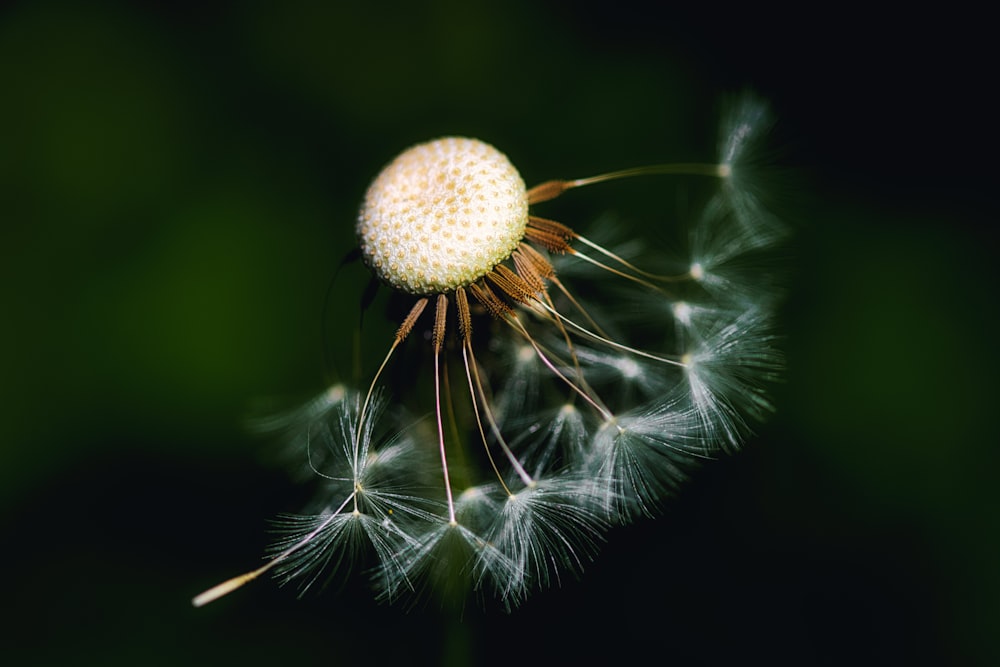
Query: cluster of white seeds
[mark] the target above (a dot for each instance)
(442, 215)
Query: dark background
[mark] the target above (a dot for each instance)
(178, 182)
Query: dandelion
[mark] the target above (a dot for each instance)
(574, 384)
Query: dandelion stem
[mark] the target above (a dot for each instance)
(479, 422)
(518, 468)
(688, 168)
(552, 189)
(616, 271)
(608, 341)
(565, 334)
(439, 328)
(401, 333)
(227, 587)
(449, 406)
(632, 267)
(230, 585)
(516, 323)
(576, 304)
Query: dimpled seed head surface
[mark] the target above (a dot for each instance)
(442, 215)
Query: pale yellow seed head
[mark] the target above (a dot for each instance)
(442, 215)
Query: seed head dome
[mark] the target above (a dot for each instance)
(442, 215)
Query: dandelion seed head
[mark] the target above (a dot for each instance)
(606, 372)
(442, 215)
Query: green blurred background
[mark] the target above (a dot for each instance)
(179, 181)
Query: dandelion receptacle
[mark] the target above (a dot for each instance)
(574, 382)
